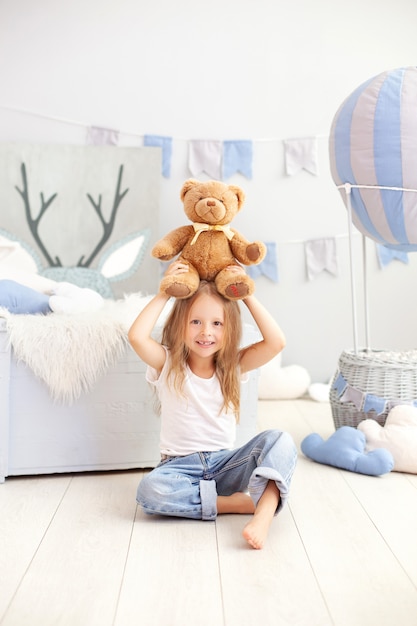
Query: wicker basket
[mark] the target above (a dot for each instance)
(389, 376)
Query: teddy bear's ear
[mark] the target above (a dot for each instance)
(189, 184)
(239, 193)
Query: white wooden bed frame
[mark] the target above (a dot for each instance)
(113, 427)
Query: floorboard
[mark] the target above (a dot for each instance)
(391, 504)
(360, 577)
(75, 550)
(27, 508)
(275, 586)
(75, 575)
(172, 574)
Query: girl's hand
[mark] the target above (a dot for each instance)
(176, 268)
(235, 269)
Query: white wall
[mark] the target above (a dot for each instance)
(265, 70)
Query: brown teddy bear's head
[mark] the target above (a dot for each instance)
(211, 202)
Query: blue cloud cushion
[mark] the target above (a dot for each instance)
(345, 449)
(18, 298)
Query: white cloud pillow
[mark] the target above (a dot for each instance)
(282, 383)
(399, 436)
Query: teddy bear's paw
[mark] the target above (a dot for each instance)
(237, 291)
(178, 290)
(253, 252)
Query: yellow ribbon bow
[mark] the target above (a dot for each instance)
(199, 228)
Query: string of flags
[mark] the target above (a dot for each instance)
(220, 159)
(365, 402)
(320, 256)
(301, 154)
(269, 266)
(166, 144)
(386, 255)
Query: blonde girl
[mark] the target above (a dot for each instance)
(197, 370)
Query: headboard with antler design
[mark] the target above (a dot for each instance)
(86, 214)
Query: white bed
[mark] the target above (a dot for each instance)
(112, 426)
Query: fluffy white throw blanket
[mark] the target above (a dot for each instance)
(69, 352)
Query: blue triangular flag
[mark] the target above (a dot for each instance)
(237, 157)
(166, 144)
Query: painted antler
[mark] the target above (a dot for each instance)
(34, 222)
(107, 226)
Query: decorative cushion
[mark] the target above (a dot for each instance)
(15, 256)
(319, 392)
(28, 279)
(18, 298)
(398, 435)
(282, 383)
(346, 449)
(68, 298)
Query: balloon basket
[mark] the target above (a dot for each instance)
(369, 383)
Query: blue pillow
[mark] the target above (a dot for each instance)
(18, 298)
(346, 449)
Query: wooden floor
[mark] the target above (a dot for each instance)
(76, 551)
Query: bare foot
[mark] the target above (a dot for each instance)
(236, 503)
(256, 531)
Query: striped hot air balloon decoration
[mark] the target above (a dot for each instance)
(373, 157)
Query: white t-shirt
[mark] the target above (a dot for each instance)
(192, 422)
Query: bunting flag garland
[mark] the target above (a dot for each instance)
(352, 395)
(321, 255)
(374, 402)
(98, 136)
(205, 155)
(365, 402)
(386, 255)
(340, 384)
(301, 154)
(166, 144)
(237, 157)
(268, 267)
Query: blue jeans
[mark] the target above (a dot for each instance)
(188, 486)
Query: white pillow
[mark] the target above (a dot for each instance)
(17, 264)
(68, 298)
(282, 383)
(28, 279)
(14, 256)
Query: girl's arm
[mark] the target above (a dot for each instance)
(140, 337)
(273, 340)
(140, 333)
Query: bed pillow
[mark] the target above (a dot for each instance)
(18, 298)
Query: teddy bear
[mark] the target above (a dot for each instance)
(208, 246)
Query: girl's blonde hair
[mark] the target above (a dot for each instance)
(226, 359)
